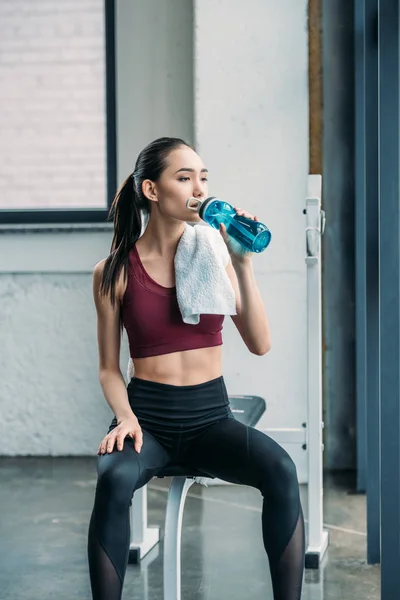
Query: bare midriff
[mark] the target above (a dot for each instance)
(190, 367)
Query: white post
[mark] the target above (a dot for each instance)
(315, 221)
(172, 539)
(143, 537)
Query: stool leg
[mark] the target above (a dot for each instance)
(143, 537)
(172, 539)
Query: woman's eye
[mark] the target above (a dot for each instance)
(188, 178)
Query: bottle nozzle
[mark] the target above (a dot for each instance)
(194, 204)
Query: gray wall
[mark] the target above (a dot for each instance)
(154, 49)
(50, 399)
(251, 94)
(236, 80)
(338, 241)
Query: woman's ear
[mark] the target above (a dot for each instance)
(149, 190)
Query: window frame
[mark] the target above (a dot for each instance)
(85, 215)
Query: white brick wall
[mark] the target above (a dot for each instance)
(52, 104)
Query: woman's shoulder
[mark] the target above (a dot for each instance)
(98, 273)
(99, 267)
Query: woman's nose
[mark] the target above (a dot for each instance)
(199, 191)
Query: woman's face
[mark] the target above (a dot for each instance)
(184, 177)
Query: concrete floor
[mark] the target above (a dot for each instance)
(45, 505)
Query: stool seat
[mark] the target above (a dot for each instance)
(181, 471)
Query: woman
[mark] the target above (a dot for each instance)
(176, 407)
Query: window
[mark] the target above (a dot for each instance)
(57, 111)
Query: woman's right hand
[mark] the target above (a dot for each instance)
(126, 427)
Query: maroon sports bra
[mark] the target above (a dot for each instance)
(153, 321)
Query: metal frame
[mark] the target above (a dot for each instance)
(372, 279)
(318, 538)
(360, 246)
(367, 266)
(389, 271)
(377, 30)
(85, 215)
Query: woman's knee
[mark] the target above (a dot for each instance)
(279, 475)
(118, 475)
(286, 469)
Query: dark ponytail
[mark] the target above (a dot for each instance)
(128, 206)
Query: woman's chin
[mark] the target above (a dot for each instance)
(193, 219)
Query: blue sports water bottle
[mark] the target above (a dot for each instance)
(252, 236)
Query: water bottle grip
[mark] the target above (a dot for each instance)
(242, 228)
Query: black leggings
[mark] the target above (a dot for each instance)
(194, 426)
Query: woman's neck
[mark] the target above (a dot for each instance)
(161, 238)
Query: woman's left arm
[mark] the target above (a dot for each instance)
(251, 320)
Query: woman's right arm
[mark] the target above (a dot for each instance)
(111, 379)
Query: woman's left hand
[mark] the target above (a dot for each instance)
(235, 249)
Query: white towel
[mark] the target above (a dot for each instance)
(202, 284)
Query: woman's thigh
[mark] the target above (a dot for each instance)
(128, 470)
(240, 454)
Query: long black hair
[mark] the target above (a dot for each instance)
(128, 206)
